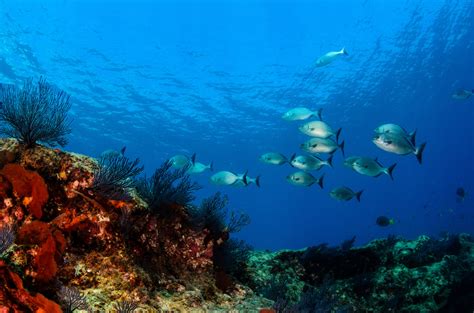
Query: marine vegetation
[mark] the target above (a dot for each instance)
(71, 299)
(167, 186)
(114, 176)
(7, 237)
(125, 307)
(35, 113)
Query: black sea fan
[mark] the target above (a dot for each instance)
(125, 307)
(213, 215)
(35, 113)
(167, 186)
(71, 299)
(7, 237)
(114, 176)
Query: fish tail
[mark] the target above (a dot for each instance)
(412, 138)
(257, 181)
(319, 114)
(419, 152)
(389, 171)
(193, 158)
(329, 160)
(344, 51)
(321, 181)
(338, 133)
(292, 158)
(211, 166)
(342, 148)
(246, 182)
(358, 194)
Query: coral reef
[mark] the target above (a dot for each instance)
(65, 246)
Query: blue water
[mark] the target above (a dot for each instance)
(214, 77)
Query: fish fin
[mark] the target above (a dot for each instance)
(390, 170)
(412, 137)
(211, 166)
(257, 181)
(329, 160)
(319, 114)
(344, 51)
(419, 152)
(338, 133)
(358, 194)
(246, 182)
(122, 151)
(342, 148)
(292, 158)
(193, 158)
(321, 181)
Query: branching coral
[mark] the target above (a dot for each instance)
(212, 215)
(166, 187)
(35, 113)
(114, 176)
(7, 237)
(71, 299)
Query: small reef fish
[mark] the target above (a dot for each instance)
(198, 167)
(304, 179)
(462, 94)
(396, 129)
(179, 161)
(309, 162)
(322, 145)
(460, 194)
(319, 129)
(112, 152)
(384, 221)
(368, 166)
(329, 57)
(345, 194)
(300, 113)
(248, 181)
(398, 144)
(274, 158)
(226, 178)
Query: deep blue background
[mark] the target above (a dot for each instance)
(214, 77)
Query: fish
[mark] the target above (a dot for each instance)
(226, 178)
(309, 162)
(198, 167)
(112, 152)
(179, 161)
(322, 145)
(301, 113)
(368, 166)
(345, 194)
(462, 94)
(329, 57)
(460, 194)
(305, 179)
(396, 129)
(274, 158)
(248, 180)
(398, 144)
(319, 129)
(384, 221)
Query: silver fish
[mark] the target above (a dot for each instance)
(462, 94)
(198, 167)
(398, 144)
(396, 129)
(329, 57)
(322, 145)
(300, 113)
(368, 166)
(309, 162)
(248, 181)
(319, 129)
(304, 179)
(274, 158)
(345, 194)
(179, 161)
(225, 178)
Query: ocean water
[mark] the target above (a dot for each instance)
(214, 78)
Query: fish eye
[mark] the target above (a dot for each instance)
(297, 178)
(314, 145)
(311, 129)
